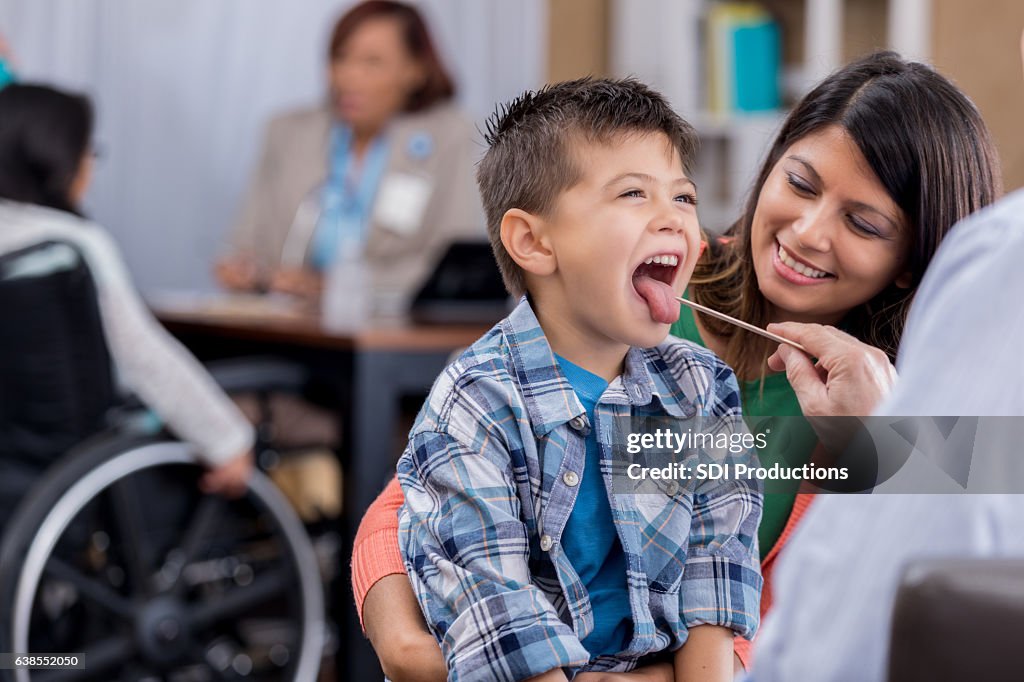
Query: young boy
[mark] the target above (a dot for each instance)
(525, 563)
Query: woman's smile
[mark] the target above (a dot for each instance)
(795, 270)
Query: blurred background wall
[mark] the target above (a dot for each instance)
(185, 87)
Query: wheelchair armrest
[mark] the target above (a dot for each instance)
(233, 375)
(958, 619)
(257, 373)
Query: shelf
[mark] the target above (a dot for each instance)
(709, 124)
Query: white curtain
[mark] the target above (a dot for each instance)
(184, 88)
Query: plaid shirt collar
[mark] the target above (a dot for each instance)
(533, 363)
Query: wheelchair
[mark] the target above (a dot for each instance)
(112, 552)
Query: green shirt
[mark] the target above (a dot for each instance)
(792, 441)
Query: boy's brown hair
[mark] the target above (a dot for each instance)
(530, 160)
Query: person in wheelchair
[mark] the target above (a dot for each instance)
(107, 545)
(46, 162)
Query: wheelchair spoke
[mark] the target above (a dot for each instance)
(128, 514)
(239, 600)
(203, 519)
(92, 589)
(101, 656)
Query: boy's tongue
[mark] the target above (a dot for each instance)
(659, 296)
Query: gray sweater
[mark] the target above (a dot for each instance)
(147, 360)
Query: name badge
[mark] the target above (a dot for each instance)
(401, 201)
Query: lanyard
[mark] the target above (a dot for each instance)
(346, 199)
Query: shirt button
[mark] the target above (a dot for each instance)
(571, 478)
(578, 423)
(671, 488)
(546, 543)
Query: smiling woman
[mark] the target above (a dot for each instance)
(825, 235)
(865, 178)
(868, 174)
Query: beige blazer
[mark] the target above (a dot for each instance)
(434, 148)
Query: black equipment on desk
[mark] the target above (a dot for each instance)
(464, 288)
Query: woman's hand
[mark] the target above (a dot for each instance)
(850, 378)
(396, 629)
(237, 273)
(230, 478)
(298, 282)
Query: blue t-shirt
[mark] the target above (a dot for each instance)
(590, 540)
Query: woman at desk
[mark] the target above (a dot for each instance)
(382, 171)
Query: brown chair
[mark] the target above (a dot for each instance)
(958, 619)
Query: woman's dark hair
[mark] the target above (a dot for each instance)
(44, 135)
(929, 148)
(438, 85)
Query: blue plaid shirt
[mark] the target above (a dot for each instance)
(490, 476)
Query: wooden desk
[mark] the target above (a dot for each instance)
(371, 368)
(380, 363)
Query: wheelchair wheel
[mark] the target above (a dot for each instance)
(116, 555)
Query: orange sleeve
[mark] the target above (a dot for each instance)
(743, 648)
(375, 552)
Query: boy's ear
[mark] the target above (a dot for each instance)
(524, 236)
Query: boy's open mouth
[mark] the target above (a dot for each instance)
(653, 281)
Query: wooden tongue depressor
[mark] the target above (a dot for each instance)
(740, 323)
